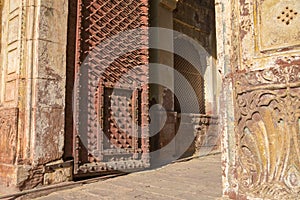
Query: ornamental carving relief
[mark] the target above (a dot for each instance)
(268, 125)
(8, 135)
(206, 134)
(277, 75)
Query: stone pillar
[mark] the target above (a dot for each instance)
(10, 80)
(258, 52)
(34, 88)
(162, 16)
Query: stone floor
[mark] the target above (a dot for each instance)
(194, 179)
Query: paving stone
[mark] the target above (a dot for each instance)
(195, 179)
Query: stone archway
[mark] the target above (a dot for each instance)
(194, 77)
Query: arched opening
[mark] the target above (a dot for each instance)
(192, 73)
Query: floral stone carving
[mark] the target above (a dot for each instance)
(268, 127)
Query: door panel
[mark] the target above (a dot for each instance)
(121, 140)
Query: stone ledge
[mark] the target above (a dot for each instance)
(169, 4)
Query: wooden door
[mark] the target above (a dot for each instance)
(116, 138)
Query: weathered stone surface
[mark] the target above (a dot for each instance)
(49, 93)
(49, 31)
(10, 90)
(268, 139)
(277, 24)
(34, 82)
(8, 135)
(195, 179)
(13, 27)
(49, 141)
(51, 61)
(13, 61)
(58, 174)
(30, 177)
(7, 175)
(261, 79)
(14, 4)
(207, 135)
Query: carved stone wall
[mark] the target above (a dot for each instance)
(42, 91)
(267, 116)
(207, 138)
(202, 130)
(10, 51)
(8, 144)
(10, 48)
(33, 51)
(260, 122)
(8, 130)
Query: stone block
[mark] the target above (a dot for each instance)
(52, 25)
(13, 60)
(58, 175)
(13, 29)
(49, 138)
(7, 175)
(14, 4)
(51, 61)
(277, 25)
(10, 90)
(49, 93)
(8, 135)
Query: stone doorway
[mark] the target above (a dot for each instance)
(107, 134)
(177, 20)
(258, 57)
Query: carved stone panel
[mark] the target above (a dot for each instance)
(260, 122)
(267, 28)
(278, 24)
(8, 135)
(267, 118)
(13, 27)
(207, 138)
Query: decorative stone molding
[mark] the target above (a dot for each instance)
(206, 134)
(203, 129)
(8, 135)
(8, 144)
(267, 119)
